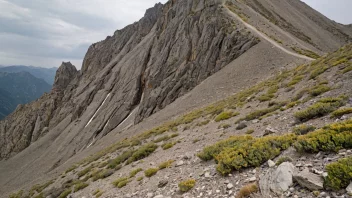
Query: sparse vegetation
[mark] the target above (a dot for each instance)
(186, 185)
(247, 190)
(120, 182)
(166, 164)
(205, 122)
(305, 52)
(39, 188)
(167, 145)
(225, 116)
(319, 109)
(150, 172)
(163, 138)
(140, 178)
(303, 129)
(65, 193)
(340, 112)
(120, 159)
(79, 186)
(319, 89)
(283, 159)
(295, 80)
(259, 113)
(73, 167)
(135, 171)
(85, 171)
(142, 152)
(17, 194)
(339, 174)
(249, 131)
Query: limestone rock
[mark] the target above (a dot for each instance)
(309, 180)
(269, 131)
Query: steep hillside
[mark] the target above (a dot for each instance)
(19, 88)
(180, 56)
(48, 74)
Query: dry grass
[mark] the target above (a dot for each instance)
(247, 190)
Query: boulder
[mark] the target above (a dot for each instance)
(277, 180)
(309, 180)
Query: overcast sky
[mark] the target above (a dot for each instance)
(47, 32)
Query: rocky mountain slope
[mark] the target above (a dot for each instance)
(48, 74)
(19, 88)
(179, 56)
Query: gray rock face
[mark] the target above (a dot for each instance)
(277, 180)
(309, 180)
(148, 64)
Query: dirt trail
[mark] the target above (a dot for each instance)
(262, 35)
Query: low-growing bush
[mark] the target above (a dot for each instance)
(247, 190)
(135, 171)
(79, 186)
(162, 138)
(167, 145)
(339, 174)
(120, 159)
(295, 80)
(120, 182)
(139, 179)
(142, 152)
(259, 113)
(283, 159)
(84, 171)
(319, 89)
(331, 138)
(102, 174)
(319, 109)
(166, 164)
(150, 172)
(225, 116)
(65, 193)
(340, 112)
(303, 129)
(187, 185)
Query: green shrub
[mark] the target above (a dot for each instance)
(120, 159)
(167, 145)
(340, 112)
(139, 178)
(163, 138)
(283, 159)
(187, 185)
(347, 69)
(142, 152)
(259, 113)
(317, 71)
(102, 174)
(150, 172)
(80, 186)
(306, 52)
(295, 80)
(318, 90)
(135, 171)
(252, 153)
(331, 138)
(120, 182)
(174, 135)
(65, 193)
(339, 174)
(303, 129)
(247, 190)
(17, 194)
(319, 109)
(225, 116)
(166, 164)
(249, 131)
(84, 171)
(265, 97)
(203, 123)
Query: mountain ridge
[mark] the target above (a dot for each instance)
(140, 71)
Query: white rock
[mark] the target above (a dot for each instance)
(217, 191)
(229, 186)
(207, 175)
(179, 163)
(150, 195)
(271, 163)
(309, 180)
(349, 189)
(252, 179)
(159, 196)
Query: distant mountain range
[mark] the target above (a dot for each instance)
(21, 85)
(48, 74)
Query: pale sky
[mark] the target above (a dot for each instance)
(46, 32)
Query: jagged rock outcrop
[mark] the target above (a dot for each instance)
(64, 75)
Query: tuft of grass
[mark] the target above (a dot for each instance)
(163, 138)
(340, 112)
(249, 131)
(79, 186)
(102, 174)
(203, 123)
(120, 159)
(85, 171)
(303, 129)
(17, 194)
(319, 109)
(167, 145)
(247, 190)
(259, 113)
(306, 52)
(186, 185)
(142, 152)
(283, 159)
(65, 193)
(135, 171)
(166, 164)
(225, 116)
(195, 141)
(319, 89)
(140, 178)
(339, 174)
(150, 172)
(295, 80)
(120, 182)
(331, 138)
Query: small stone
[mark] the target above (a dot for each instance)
(308, 165)
(295, 196)
(270, 130)
(217, 191)
(323, 194)
(292, 189)
(255, 121)
(230, 192)
(271, 163)
(299, 165)
(325, 174)
(229, 186)
(207, 175)
(349, 189)
(241, 125)
(159, 196)
(252, 179)
(226, 181)
(179, 163)
(162, 183)
(150, 195)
